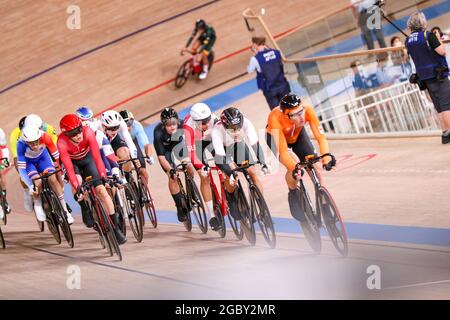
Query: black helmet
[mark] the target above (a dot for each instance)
(126, 115)
(289, 101)
(22, 122)
(167, 114)
(200, 24)
(232, 119)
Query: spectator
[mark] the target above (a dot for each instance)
(384, 76)
(400, 60)
(269, 71)
(428, 54)
(363, 10)
(439, 34)
(361, 83)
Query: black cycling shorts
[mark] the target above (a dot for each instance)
(86, 167)
(239, 152)
(201, 147)
(302, 147)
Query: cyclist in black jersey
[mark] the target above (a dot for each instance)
(168, 140)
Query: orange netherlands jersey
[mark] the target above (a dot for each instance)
(289, 133)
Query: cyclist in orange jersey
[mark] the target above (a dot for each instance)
(286, 130)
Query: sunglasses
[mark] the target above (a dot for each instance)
(113, 128)
(74, 132)
(170, 122)
(296, 114)
(33, 143)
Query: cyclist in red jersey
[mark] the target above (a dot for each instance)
(80, 155)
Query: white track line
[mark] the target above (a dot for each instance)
(418, 284)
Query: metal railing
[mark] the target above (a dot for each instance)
(398, 108)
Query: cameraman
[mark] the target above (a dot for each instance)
(428, 55)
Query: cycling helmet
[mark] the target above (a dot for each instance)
(232, 119)
(126, 115)
(200, 24)
(167, 114)
(200, 112)
(33, 120)
(289, 101)
(69, 122)
(84, 113)
(31, 133)
(22, 122)
(111, 118)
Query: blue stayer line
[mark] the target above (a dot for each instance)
(355, 231)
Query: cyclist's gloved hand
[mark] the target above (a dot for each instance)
(330, 165)
(150, 160)
(233, 180)
(204, 171)
(78, 194)
(297, 173)
(172, 173)
(266, 169)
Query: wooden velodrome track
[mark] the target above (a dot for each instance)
(171, 263)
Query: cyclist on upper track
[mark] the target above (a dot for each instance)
(206, 37)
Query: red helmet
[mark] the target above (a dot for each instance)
(69, 122)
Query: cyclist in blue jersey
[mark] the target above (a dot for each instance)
(140, 140)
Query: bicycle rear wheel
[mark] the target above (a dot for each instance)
(333, 221)
(60, 216)
(2, 240)
(310, 226)
(197, 205)
(149, 205)
(219, 215)
(263, 216)
(134, 212)
(183, 74)
(246, 215)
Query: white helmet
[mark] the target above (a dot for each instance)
(111, 118)
(200, 111)
(31, 133)
(2, 138)
(33, 120)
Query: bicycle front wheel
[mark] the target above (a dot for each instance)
(108, 230)
(52, 223)
(183, 74)
(60, 216)
(310, 226)
(134, 212)
(149, 205)
(263, 217)
(333, 221)
(2, 240)
(246, 213)
(197, 205)
(219, 215)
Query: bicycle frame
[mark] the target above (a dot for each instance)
(222, 197)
